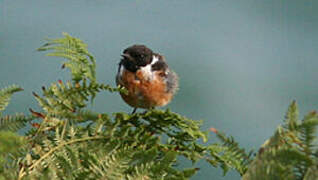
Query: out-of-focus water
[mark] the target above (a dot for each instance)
(240, 63)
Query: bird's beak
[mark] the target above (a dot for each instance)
(126, 56)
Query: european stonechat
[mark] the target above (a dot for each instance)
(147, 77)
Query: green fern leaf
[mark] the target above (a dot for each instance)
(308, 132)
(5, 95)
(291, 117)
(14, 122)
(81, 63)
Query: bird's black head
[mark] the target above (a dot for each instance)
(136, 56)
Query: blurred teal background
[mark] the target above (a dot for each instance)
(240, 63)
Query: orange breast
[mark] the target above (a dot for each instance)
(144, 92)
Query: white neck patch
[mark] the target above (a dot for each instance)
(146, 71)
(121, 69)
(154, 59)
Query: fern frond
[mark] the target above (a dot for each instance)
(308, 133)
(12, 148)
(291, 117)
(60, 146)
(10, 142)
(62, 98)
(111, 165)
(65, 98)
(81, 63)
(229, 155)
(266, 163)
(5, 95)
(290, 153)
(14, 122)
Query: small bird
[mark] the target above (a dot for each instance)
(147, 77)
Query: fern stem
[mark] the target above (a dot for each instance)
(64, 129)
